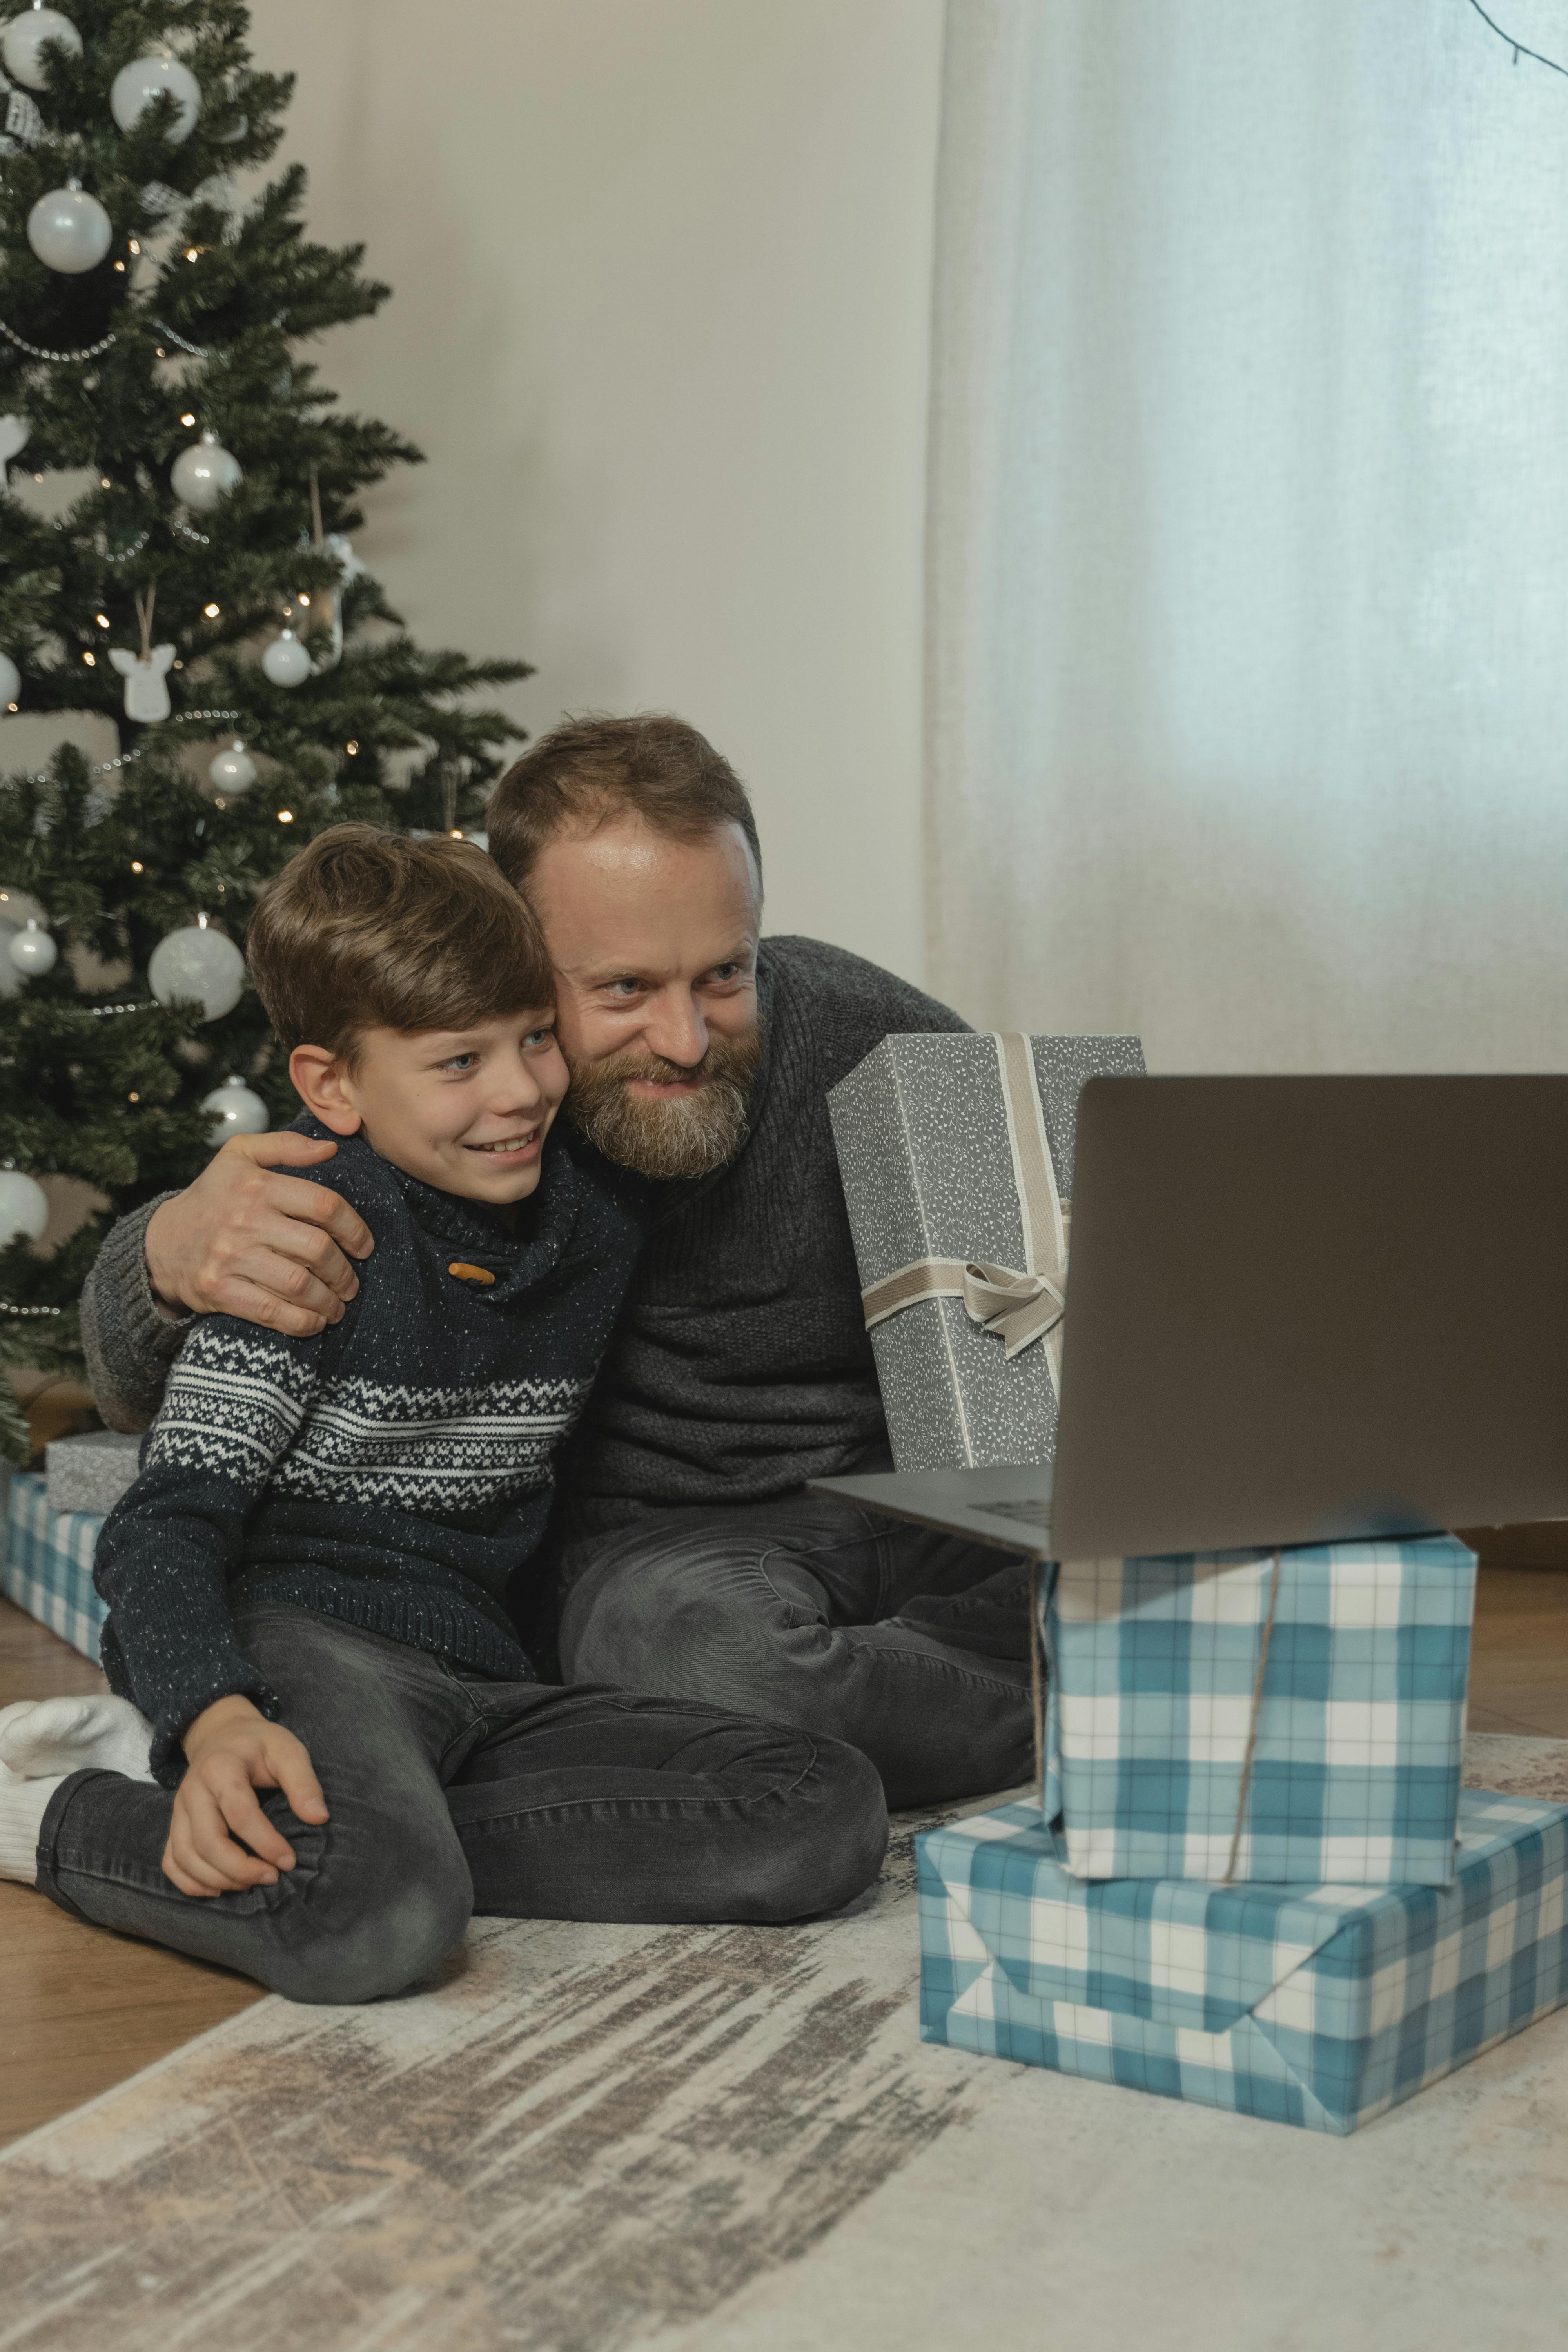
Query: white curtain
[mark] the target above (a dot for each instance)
(1247, 654)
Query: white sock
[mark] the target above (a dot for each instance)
(23, 1804)
(45, 1738)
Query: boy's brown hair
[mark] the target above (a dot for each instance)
(368, 929)
(590, 770)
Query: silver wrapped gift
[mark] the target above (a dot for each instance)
(91, 1472)
(956, 1155)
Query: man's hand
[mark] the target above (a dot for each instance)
(232, 1750)
(246, 1239)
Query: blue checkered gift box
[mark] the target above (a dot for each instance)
(1221, 1716)
(48, 1565)
(1319, 2007)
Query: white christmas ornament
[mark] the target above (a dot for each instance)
(24, 1206)
(146, 692)
(32, 951)
(234, 770)
(349, 568)
(285, 661)
(236, 1111)
(197, 962)
(70, 230)
(135, 87)
(204, 473)
(14, 431)
(22, 43)
(10, 683)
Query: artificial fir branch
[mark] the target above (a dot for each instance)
(208, 318)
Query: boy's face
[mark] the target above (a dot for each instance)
(466, 1110)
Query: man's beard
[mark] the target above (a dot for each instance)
(672, 1134)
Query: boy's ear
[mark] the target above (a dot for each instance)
(324, 1086)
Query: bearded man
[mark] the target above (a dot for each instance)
(693, 1561)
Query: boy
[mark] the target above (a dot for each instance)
(309, 1583)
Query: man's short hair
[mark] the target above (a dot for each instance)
(591, 769)
(368, 929)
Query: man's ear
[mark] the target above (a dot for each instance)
(323, 1085)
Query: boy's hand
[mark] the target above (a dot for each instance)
(234, 1751)
(248, 1239)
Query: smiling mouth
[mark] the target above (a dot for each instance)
(510, 1147)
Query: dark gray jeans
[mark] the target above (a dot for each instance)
(911, 1646)
(451, 1793)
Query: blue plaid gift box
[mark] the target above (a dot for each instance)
(1317, 2006)
(1354, 1658)
(48, 1565)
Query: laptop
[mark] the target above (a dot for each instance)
(1299, 1309)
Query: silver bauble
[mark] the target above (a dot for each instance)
(22, 43)
(135, 87)
(285, 661)
(24, 1207)
(70, 230)
(197, 964)
(204, 473)
(236, 1111)
(32, 951)
(234, 770)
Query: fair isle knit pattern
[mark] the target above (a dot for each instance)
(396, 1471)
(231, 1403)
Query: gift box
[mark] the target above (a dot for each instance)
(956, 1155)
(91, 1472)
(48, 1567)
(1295, 1716)
(1319, 2007)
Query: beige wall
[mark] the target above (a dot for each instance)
(659, 321)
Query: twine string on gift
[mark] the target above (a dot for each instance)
(1250, 1755)
(1019, 1305)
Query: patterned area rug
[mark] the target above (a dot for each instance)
(587, 2139)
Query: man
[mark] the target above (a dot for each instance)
(694, 1563)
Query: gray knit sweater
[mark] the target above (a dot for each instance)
(741, 1365)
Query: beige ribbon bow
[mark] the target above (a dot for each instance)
(1019, 1305)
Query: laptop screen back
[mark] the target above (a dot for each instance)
(1307, 1307)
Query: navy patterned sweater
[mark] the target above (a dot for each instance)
(396, 1471)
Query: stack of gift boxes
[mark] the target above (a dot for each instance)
(51, 1528)
(1249, 1876)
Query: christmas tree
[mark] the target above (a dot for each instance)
(176, 559)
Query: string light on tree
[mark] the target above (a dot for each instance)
(70, 230)
(236, 1110)
(137, 86)
(24, 1205)
(22, 43)
(197, 965)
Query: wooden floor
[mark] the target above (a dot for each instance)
(81, 2008)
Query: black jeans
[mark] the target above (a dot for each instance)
(912, 1645)
(451, 1793)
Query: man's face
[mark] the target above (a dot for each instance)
(655, 947)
